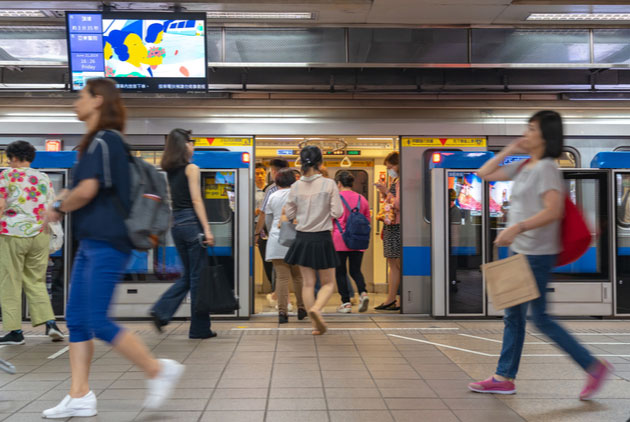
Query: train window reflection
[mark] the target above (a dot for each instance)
(623, 200)
(218, 195)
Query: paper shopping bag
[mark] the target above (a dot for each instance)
(510, 282)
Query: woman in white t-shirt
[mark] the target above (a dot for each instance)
(534, 230)
(275, 252)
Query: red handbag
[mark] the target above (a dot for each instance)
(575, 234)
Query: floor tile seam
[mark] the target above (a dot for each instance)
(372, 378)
(422, 378)
(205, 409)
(321, 377)
(273, 364)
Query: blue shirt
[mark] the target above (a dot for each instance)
(102, 218)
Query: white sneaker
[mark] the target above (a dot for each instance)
(161, 387)
(272, 302)
(345, 308)
(70, 407)
(364, 302)
(289, 307)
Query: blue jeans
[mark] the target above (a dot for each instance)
(97, 268)
(514, 320)
(185, 231)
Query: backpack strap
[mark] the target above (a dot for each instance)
(107, 169)
(345, 203)
(358, 207)
(339, 226)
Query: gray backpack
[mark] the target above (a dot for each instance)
(149, 217)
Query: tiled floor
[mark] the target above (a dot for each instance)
(368, 368)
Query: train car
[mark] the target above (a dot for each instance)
(373, 128)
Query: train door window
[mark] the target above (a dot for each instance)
(465, 198)
(218, 190)
(569, 159)
(361, 183)
(622, 202)
(426, 161)
(588, 190)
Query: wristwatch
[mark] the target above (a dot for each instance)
(57, 207)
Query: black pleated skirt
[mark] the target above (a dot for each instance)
(313, 250)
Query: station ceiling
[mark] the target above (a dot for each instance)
(367, 12)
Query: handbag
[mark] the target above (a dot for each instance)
(510, 282)
(575, 237)
(287, 234)
(215, 291)
(56, 237)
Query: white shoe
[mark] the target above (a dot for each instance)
(272, 302)
(364, 302)
(161, 387)
(289, 307)
(345, 308)
(70, 407)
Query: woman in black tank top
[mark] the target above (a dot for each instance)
(189, 220)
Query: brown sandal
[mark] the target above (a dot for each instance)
(320, 326)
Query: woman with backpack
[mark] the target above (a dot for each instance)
(534, 230)
(314, 201)
(350, 200)
(189, 221)
(275, 252)
(103, 253)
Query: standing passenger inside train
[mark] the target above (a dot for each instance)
(189, 221)
(351, 200)
(25, 194)
(260, 234)
(276, 252)
(314, 202)
(392, 236)
(103, 253)
(260, 178)
(534, 230)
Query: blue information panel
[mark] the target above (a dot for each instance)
(85, 41)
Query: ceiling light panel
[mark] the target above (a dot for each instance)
(11, 13)
(261, 15)
(559, 17)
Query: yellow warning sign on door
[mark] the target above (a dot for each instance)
(223, 142)
(444, 142)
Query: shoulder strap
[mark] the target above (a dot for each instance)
(339, 226)
(107, 170)
(345, 203)
(358, 208)
(522, 165)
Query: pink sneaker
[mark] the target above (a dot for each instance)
(596, 379)
(492, 386)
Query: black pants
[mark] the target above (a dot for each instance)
(355, 258)
(268, 266)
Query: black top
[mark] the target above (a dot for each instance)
(180, 192)
(101, 219)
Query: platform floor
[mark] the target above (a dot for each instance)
(368, 368)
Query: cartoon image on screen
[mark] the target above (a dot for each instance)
(154, 48)
(500, 196)
(467, 187)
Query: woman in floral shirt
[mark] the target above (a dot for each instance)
(24, 195)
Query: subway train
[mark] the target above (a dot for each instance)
(441, 145)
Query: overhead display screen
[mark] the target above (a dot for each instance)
(149, 52)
